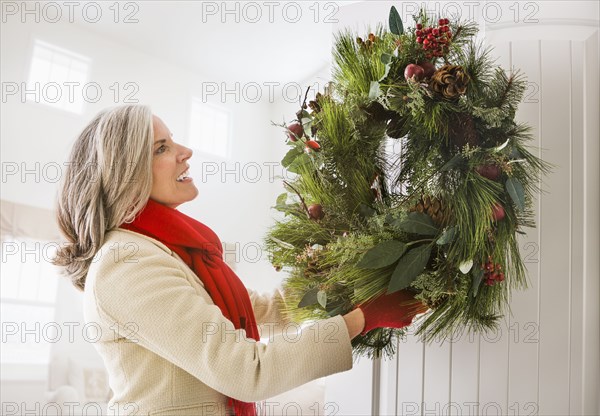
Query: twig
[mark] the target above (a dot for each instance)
(302, 106)
(299, 196)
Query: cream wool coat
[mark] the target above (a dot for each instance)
(169, 350)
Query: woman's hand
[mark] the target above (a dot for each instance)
(395, 310)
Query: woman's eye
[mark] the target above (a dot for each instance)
(161, 149)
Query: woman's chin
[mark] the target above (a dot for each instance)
(173, 203)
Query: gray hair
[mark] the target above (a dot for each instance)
(107, 182)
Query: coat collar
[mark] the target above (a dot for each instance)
(150, 239)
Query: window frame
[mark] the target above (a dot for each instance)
(78, 90)
(219, 108)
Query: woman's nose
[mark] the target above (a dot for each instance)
(184, 153)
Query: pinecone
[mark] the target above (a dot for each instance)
(436, 209)
(450, 81)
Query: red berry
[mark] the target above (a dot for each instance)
(498, 212)
(426, 41)
(500, 276)
(419, 26)
(413, 71)
(419, 40)
(441, 22)
(436, 32)
(446, 21)
(419, 32)
(295, 131)
(312, 145)
(315, 212)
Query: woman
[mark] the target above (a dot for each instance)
(179, 331)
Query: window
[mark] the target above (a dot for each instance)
(29, 283)
(57, 78)
(209, 129)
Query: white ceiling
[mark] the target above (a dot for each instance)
(216, 46)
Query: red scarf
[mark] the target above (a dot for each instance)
(201, 249)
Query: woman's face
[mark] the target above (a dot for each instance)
(170, 184)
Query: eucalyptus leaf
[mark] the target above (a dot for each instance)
(386, 73)
(282, 198)
(281, 207)
(447, 236)
(456, 159)
(514, 153)
(309, 298)
(282, 243)
(374, 90)
(395, 22)
(298, 162)
(386, 58)
(288, 208)
(476, 278)
(466, 266)
(307, 123)
(290, 156)
(516, 192)
(418, 223)
(322, 298)
(502, 146)
(382, 255)
(409, 267)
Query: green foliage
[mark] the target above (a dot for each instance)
(408, 220)
(356, 66)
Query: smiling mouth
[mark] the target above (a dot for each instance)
(183, 176)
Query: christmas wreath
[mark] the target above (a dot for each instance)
(410, 174)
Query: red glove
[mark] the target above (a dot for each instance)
(395, 310)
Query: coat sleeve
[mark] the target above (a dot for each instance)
(268, 308)
(172, 320)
